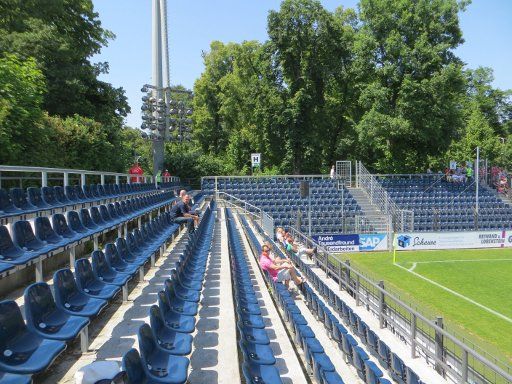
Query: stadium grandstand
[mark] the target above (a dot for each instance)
(98, 280)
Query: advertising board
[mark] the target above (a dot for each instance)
(353, 243)
(452, 240)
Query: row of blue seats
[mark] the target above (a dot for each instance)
(355, 355)
(53, 320)
(269, 181)
(26, 246)
(258, 358)
(19, 201)
(167, 340)
(317, 360)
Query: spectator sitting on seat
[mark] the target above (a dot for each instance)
(180, 213)
(183, 192)
(299, 249)
(279, 234)
(281, 272)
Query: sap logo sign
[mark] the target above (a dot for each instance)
(370, 242)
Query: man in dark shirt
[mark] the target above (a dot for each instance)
(180, 213)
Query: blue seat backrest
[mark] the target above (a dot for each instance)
(6, 204)
(64, 285)
(39, 303)
(132, 365)
(22, 233)
(11, 323)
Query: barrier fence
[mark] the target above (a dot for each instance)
(403, 220)
(451, 355)
(43, 175)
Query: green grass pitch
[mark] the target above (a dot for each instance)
(470, 289)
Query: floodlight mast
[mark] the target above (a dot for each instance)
(158, 47)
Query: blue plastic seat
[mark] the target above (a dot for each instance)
(76, 224)
(46, 319)
(253, 335)
(69, 299)
(174, 319)
(412, 377)
(24, 237)
(88, 222)
(397, 369)
(23, 351)
(184, 293)
(11, 253)
(61, 228)
(116, 262)
(34, 197)
(7, 206)
(177, 305)
(176, 343)
(257, 353)
(105, 272)
(331, 378)
(134, 368)
(157, 362)
(48, 196)
(45, 232)
(89, 283)
(19, 198)
(13, 378)
(373, 372)
(60, 196)
(125, 254)
(257, 374)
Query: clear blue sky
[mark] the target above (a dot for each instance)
(194, 24)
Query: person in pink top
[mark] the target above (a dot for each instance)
(281, 271)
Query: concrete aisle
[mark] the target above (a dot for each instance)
(215, 355)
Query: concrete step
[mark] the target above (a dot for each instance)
(364, 202)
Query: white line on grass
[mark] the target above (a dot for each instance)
(457, 294)
(456, 261)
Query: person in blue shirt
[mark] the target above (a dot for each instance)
(180, 214)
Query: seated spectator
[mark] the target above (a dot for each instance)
(299, 249)
(281, 271)
(180, 213)
(279, 234)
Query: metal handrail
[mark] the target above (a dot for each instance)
(66, 172)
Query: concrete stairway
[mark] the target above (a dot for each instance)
(364, 202)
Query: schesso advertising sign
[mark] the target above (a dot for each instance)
(452, 240)
(353, 243)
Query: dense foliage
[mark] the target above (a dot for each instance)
(54, 111)
(382, 85)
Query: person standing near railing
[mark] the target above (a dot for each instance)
(136, 169)
(333, 172)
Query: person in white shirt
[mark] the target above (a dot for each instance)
(333, 172)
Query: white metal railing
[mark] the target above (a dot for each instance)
(403, 220)
(65, 173)
(450, 355)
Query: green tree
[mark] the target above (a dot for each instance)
(62, 35)
(313, 52)
(22, 88)
(411, 82)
